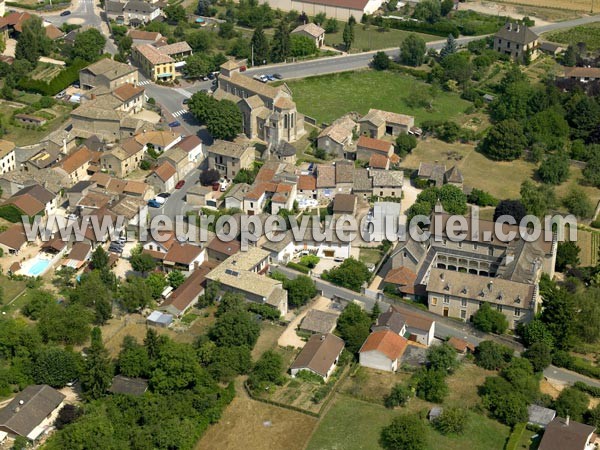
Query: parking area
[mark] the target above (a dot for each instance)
(289, 337)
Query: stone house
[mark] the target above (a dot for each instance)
(377, 124)
(517, 41)
(230, 157)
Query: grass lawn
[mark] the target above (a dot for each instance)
(590, 34)
(372, 38)
(267, 340)
(329, 97)
(12, 288)
(353, 424)
(370, 255)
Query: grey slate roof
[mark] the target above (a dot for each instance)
(125, 385)
(520, 34)
(29, 408)
(114, 7)
(317, 321)
(538, 415)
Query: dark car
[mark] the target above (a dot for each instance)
(211, 76)
(179, 184)
(175, 124)
(278, 76)
(154, 204)
(164, 195)
(65, 13)
(186, 101)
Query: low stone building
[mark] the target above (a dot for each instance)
(312, 31)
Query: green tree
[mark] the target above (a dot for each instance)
(570, 56)
(558, 313)
(554, 169)
(536, 331)
(348, 36)
(300, 290)
(381, 61)
(267, 370)
(406, 432)
(587, 328)
(133, 360)
(353, 326)
(398, 396)
(99, 258)
(175, 13)
(578, 203)
(428, 11)
(430, 385)
(320, 18)
(452, 421)
(228, 362)
(97, 372)
(70, 325)
(156, 282)
(38, 300)
(225, 122)
(449, 48)
(489, 320)
(177, 369)
(405, 143)
(56, 367)
(88, 45)
(520, 374)
(125, 44)
(573, 403)
(453, 199)
(281, 44)
(567, 255)
(235, 328)
(492, 356)
(540, 355)
(260, 44)
(350, 274)
(198, 65)
(537, 199)
(32, 42)
(504, 142)
(175, 278)
(442, 358)
(140, 261)
(412, 50)
(92, 292)
(302, 46)
(200, 41)
(135, 294)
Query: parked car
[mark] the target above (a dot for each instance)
(186, 101)
(154, 204)
(224, 185)
(216, 186)
(211, 76)
(311, 167)
(164, 195)
(338, 259)
(243, 68)
(175, 124)
(72, 217)
(270, 77)
(115, 249)
(278, 76)
(65, 13)
(179, 184)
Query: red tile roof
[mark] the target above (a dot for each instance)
(378, 161)
(374, 144)
(307, 182)
(165, 171)
(386, 342)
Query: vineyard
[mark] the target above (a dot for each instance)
(589, 243)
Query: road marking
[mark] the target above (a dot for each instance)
(144, 83)
(180, 113)
(183, 92)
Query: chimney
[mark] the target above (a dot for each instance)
(568, 420)
(509, 26)
(517, 30)
(442, 276)
(92, 96)
(490, 285)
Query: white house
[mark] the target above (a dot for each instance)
(382, 350)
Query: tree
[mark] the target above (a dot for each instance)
(156, 282)
(92, 292)
(449, 48)
(481, 198)
(99, 258)
(175, 13)
(140, 261)
(199, 41)
(354, 326)
(537, 199)
(558, 313)
(405, 143)
(348, 36)
(412, 50)
(442, 358)
(573, 403)
(570, 56)
(492, 356)
(225, 122)
(406, 432)
(300, 290)
(302, 46)
(452, 421)
(375, 312)
(133, 360)
(177, 369)
(490, 320)
(446, 6)
(320, 18)
(381, 61)
(428, 11)
(68, 325)
(331, 26)
(97, 373)
(209, 176)
(430, 385)
(399, 396)
(536, 331)
(567, 255)
(578, 203)
(453, 199)
(125, 44)
(175, 278)
(540, 356)
(554, 169)
(350, 274)
(504, 142)
(38, 301)
(198, 65)
(281, 44)
(227, 362)
(55, 367)
(88, 45)
(203, 7)
(267, 370)
(235, 328)
(135, 294)
(67, 414)
(260, 44)
(587, 327)
(32, 42)
(512, 208)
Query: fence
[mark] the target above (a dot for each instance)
(310, 120)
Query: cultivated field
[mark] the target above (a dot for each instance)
(329, 97)
(247, 424)
(589, 243)
(572, 5)
(372, 38)
(590, 34)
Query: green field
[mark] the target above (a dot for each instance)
(352, 424)
(329, 97)
(372, 38)
(590, 34)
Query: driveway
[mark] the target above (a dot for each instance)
(289, 336)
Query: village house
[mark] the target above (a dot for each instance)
(337, 138)
(132, 209)
(187, 294)
(161, 63)
(244, 273)
(43, 159)
(234, 198)
(127, 98)
(281, 249)
(107, 73)
(179, 159)
(283, 152)
(378, 161)
(192, 145)
(76, 164)
(325, 181)
(269, 113)
(377, 123)
(407, 324)
(134, 13)
(7, 156)
(230, 157)
(28, 119)
(312, 31)
(184, 257)
(199, 196)
(566, 434)
(551, 48)
(160, 140)
(34, 200)
(319, 356)
(78, 191)
(95, 118)
(307, 186)
(438, 175)
(163, 178)
(517, 41)
(139, 37)
(319, 322)
(582, 74)
(31, 413)
(219, 251)
(382, 350)
(123, 159)
(367, 147)
(345, 204)
(78, 256)
(128, 386)
(13, 240)
(387, 183)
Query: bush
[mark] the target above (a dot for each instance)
(431, 385)
(310, 261)
(267, 312)
(572, 402)
(579, 365)
(60, 82)
(298, 267)
(591, 390)
(489, 320)
(399, 396)
(481, 198)
(406, 432)
(492, 356)
(452, 421)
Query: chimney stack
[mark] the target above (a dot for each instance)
(568, 420)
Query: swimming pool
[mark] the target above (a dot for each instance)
(35, 267)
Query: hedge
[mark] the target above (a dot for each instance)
(57, 84)
(441, 28)
(591, 390)
(576, 364)
(11, 213)
(298, 267)
(515, 437)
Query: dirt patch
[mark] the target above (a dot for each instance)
(497, 9)
(289, 337)
(134, 325)
(250, 425)
(551, 388)
(269, 334)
